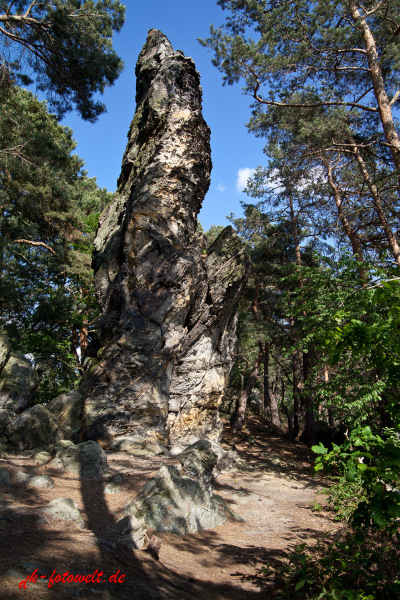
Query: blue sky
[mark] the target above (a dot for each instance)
(226, 110)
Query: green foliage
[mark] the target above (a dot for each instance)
(67, 45)
(344, 496)
(346, 568)
(212, 234)
(372, 462)
(48, 217)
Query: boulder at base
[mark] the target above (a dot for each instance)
(87, 459)
(35, 428)
(138, 446)
(18, 383)
(178, 499)
(63, 509)
(5, 349)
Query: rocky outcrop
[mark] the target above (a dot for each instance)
(67, 408)
(35, 428)
(18, 379)
(5, 349)
(179, 499)
(207, 351)
(87, 459)
(166, 338)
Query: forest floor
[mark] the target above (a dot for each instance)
(274, 491)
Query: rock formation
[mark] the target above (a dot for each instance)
(167, 334)
(179, 499)
(18, 379)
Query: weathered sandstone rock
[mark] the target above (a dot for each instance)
(18, 382)
(5, 349)
(40, 481)
(167, 335)
(207, 351)
(138, 446)
(67, 408)
(179, 499)
(63, 509)
(87, 459)
(35, 428)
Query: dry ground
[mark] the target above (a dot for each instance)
(223, 563)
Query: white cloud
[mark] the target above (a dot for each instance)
(242, 176)
(221, 187)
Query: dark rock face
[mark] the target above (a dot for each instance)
(167, 310)
(67, 408)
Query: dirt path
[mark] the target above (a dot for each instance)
(272, 491)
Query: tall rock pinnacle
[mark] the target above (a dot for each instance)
(152, 282)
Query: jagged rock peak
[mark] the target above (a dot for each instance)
(155, 50)
(148, 267)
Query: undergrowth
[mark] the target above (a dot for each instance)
(348, 567)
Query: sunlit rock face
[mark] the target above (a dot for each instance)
(158, 292)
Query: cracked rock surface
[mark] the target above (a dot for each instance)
(167, 335)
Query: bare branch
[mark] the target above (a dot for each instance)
(38, 244)
(395, 97)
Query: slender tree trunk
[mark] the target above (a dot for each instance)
(83, 338)
(391, 238)
(331, 420)
(271, 410)
(309, 431)
(275, 418)
(353, 239)
(384, 107)
(267, 395)
(296, 239)
(245, 394)
(286, 410)
(297, 389)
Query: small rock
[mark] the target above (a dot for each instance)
(64, 509)
(116, 478)
(16, 574)
(41, 458)
(22, 477)
(87, 459)
(30, 567)
(5, 477)
(138, 446)
(42, 481)
(112, 488)
(132, 532)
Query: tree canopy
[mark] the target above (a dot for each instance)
(65, 46)
(49, 211)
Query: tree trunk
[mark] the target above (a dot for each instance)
(245, 394)
(331, 420)
(353, 239)
(275, 418)
(297, 389)
(391, 238)
(385, 110)
(271, 410)
(309, 431)
(267, 396)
